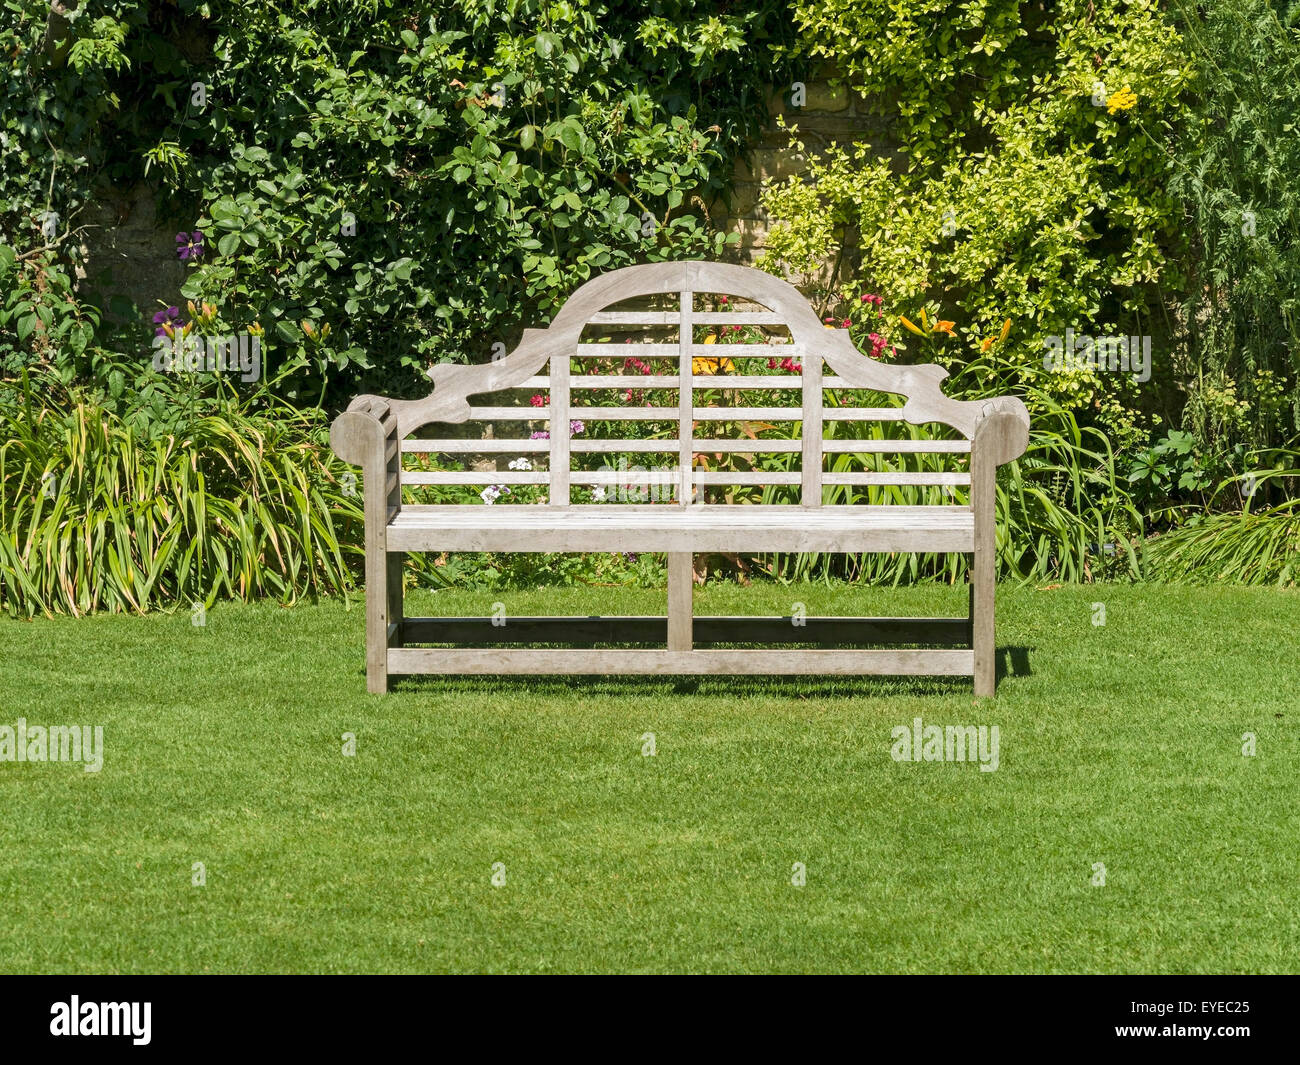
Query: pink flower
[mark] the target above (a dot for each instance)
(576, 427)
(539, 400)
(540, 435)
(846, 323)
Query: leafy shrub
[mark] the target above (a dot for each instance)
(420, 178)
(226, 502)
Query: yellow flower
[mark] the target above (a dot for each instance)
(944, 327)
(1124, 100)
(924, 323)
(705, 365)
(988, 343)
(710, 339)
(909, 326)
(1006, 328)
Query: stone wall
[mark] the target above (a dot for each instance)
(829, 115)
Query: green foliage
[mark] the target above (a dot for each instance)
(1238, 174)
(423, 178)
(223, 502)
(1027, 190)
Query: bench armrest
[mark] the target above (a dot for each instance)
(366, 435)
(1001, 430)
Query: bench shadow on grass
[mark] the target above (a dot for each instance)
(1012, 662)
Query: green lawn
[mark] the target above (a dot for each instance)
(1119, 744)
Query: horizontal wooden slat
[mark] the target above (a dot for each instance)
(674, 317)
(609, 381)
(713, 414)
(726, 446)
(698, 350)
(668, 475)
(472, 447)
(895, 447)
(862, 414)
(745, 447)
(590, 631)
(588, 445)
(510, 414)
(904, 478)
(737, 414)
(748, 477)
(728, 381)
(626, 351)
(670, 527)
(891, 662)
(474, 477)
(623, 414)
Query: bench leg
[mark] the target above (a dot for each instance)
(681, 580)
(983, 583)
(376, 619)
(395, 607)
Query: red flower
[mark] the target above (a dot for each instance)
(539, 400)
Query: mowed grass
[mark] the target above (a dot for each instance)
(1120, 745)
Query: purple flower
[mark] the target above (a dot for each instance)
(169, 317)
(576, 427)
(540, 435)
(190, 245)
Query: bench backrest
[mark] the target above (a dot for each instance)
(555, 415)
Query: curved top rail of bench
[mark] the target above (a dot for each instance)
(454, 384)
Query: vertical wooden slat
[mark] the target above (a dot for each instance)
(983, 568)
(376, 500)
(680, 607)
(685, 401)
(811, 490)
(559, 476)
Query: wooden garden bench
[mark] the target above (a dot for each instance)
(376, 433)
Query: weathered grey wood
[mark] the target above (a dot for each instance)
(360, 436)
(810, 492)
(590, 631)
(997, 436)
(474, 477)
(699, 528)
(681, 580)
(372, 434)
(607, 662)
(558, 494)
(744, 318)
(685, 399)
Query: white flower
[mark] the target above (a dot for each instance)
(521, 464)
(598, 494)
(493, 492)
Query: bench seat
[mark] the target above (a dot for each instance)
(699, 528)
